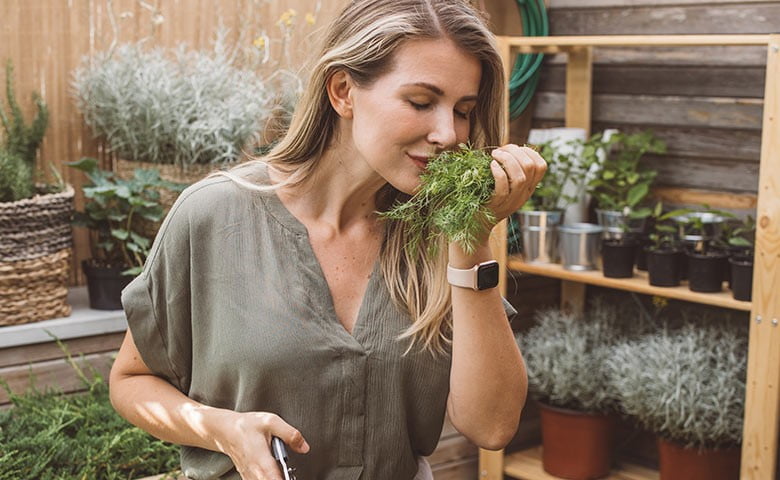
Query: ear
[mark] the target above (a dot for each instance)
(339, 88)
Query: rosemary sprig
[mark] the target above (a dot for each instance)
(452, 200)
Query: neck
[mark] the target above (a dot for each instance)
(339, 196)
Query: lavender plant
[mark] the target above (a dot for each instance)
(566, 354)
(175, 106)
(687, 385)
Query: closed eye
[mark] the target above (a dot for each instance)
(420, 106)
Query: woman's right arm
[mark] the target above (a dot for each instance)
(154, 405)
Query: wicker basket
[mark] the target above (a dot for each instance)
(35, 253)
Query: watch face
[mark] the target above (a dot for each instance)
(487, 276)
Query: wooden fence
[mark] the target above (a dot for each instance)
(46, 40)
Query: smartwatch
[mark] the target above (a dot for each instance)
(479, 277)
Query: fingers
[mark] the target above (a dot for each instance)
(522, 166)
(251, 445)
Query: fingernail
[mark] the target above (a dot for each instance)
(305, 447)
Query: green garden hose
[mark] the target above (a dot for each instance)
(525, 73)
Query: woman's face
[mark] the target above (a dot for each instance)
(418, 109)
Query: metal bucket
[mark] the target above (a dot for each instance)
(580, 246)
(712, 224)
(616, 224)
(540, 238)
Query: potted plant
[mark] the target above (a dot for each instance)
(664, 253)
(543, 212)
(623, 182)
(687, 385)
(565, 357)
(741, 239)
(115, 212)
(184, 112)
(705, 263)
(35, 233)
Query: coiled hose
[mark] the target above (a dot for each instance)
(525, 73)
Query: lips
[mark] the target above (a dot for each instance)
(420, 160)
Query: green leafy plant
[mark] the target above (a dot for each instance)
(623, 182)
(452, 200)
(115, 211)
(741, 233)
(687, 385)
(50, 435)
(569, 162)
(172, 106)
(20, 144)
(566, 354)
(665, 234)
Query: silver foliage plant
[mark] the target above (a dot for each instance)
(687, 385)
(172, 106)
(566, 355)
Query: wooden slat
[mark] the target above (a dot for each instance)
(704, 56)
(691, 197)
(711, 112)
(744, 82)
(527, 465)
(762, 402)
(734, 18)
(54, 374)
(741, 145)
(704, 173)
(607, 40)
(638, 283)
(50, 351)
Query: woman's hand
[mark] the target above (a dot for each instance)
(246, 439)
(517, 171)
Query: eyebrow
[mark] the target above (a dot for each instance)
(438, 91)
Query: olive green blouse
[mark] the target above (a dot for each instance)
(233, 309)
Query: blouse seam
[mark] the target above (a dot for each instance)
(173, 211)
(162, 338)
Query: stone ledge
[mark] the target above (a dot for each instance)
(83, 322)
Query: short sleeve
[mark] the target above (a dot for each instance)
(157, 302)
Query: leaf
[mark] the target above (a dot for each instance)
(608, 175)
(86, 164)
(120, 234)
(637, 193)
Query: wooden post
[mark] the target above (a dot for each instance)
(579, 78)
(762, 401)
(491, 463)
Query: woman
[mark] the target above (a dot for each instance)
(275, 301)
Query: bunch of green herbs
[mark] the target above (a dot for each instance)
(50, 435)
(452, 200)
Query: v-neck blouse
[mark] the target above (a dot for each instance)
(233, 309)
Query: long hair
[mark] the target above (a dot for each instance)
(362, 41)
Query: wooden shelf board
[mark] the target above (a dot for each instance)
(552, 42)
(638, 283)
(527, 465)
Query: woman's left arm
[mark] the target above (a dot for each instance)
(488, 382)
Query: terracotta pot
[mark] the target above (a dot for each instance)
(575, 445)
(678, 463)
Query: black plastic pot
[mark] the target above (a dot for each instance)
(663, 267)
(641, 254)
(742, 277)
(617, 257)
(705, 271)
(104, 285)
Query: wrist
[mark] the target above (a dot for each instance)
(460, 259)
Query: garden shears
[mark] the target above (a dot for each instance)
(280, 454)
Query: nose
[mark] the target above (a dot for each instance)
(443, 133)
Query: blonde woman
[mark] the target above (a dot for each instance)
(276, 302)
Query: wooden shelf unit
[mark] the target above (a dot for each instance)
(638, 283)
(527, 464)
(762, 401)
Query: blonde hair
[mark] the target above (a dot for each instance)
(362, 41)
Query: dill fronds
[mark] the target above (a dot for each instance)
(452, 200)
